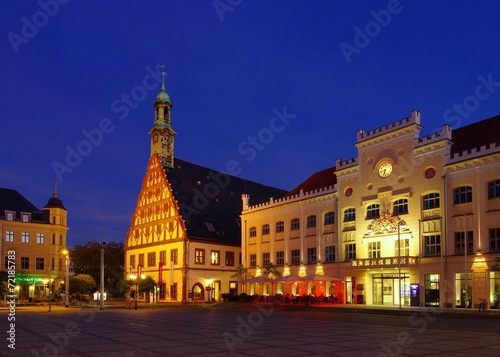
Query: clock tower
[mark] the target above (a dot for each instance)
(162, 134)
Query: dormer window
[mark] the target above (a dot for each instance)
(9, 215)
(26, 217)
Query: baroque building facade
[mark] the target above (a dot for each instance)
(392, 224)
(185, 230)
(33, 244)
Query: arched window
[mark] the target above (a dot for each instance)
(400, 207)
(295, 224)
(265, 229)
(462, 194)
(350, 215)
(329, 218)
(431, 200)
(280, 227)
(373, 211)
(311, 221)
(253, 231)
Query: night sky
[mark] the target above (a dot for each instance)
(82, 76)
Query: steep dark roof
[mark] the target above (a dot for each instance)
(11, 200)
(210, 201)
(320, 179)
(55, 202)
(477, 134)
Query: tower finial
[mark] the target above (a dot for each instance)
(55, 188)
(163, 75)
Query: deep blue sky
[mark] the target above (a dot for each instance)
(226, 73)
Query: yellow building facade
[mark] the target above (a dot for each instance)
(33, 244)
(401, 209)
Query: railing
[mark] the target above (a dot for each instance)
(391, 262)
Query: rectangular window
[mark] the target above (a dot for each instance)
(230, 259)
(9, 216)
(295, 224)
(312, 257)
(329, 218)
(350, 252)
(265, 229)
(25, 237)
(40, 263)
(266, 259)
(40, 238)
(163, 257)
(462, 195)
(174, 256)
(373, 211)
(199, 256)
(432, 245)
(26, 217)
(132, 261)
(253, 232)
(25, 263)
(295, 256)
(151, 259)
(374, 250)
(253, 260)
(9, 236)
(53, 239)
(494, 239)
(141, 260)
(329, 254)
(280, 258)
(350, 215)
(494, 189)
(280, 227)
(405, 248)
(460, 243)
(311, 221)
(215, 257)
(431, 201)
(400, 207)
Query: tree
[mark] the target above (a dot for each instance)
(271, 272)
(86, 259)
(82, 283)
(4, 278)
(241, 274)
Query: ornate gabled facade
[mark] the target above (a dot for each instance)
(33, 244)
(404, 208)
(185, 230)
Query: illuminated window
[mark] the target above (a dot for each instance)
(329, 254)
(432, 245)
(280, 227)
(40, 263)
(329, 218)
(295, 256)
(494, 189)
(253, 231)
(350, 251)
(350, 215)
(280, 258)
(215, 257)
(26, 217)
(431, 200)
(25, 237)
(9, 216)
(311, 221)
(40, 238)
(151, 259)
(199, 256)
(312, 257)
(405, 248)
(9, 236)
(373, 211)
(266, 259)
(253, 260)
(462, 195)
(265, 229)
(295, 224)
(25, 263)
(230, 259)
(374, 250)
(173, 256)
(400, 207)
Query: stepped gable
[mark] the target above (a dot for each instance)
(475, 135)
(11, 200)
(320, 179)
(210, 201)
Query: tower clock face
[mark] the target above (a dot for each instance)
(385, 169)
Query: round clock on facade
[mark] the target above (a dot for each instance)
(385, 169)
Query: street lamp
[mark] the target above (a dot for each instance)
(101, 293)
(401, 225)
(135, 278)
(466, 247)
(66, 286)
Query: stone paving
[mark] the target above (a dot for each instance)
(250, 330)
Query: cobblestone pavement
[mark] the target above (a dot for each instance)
(250, 330)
